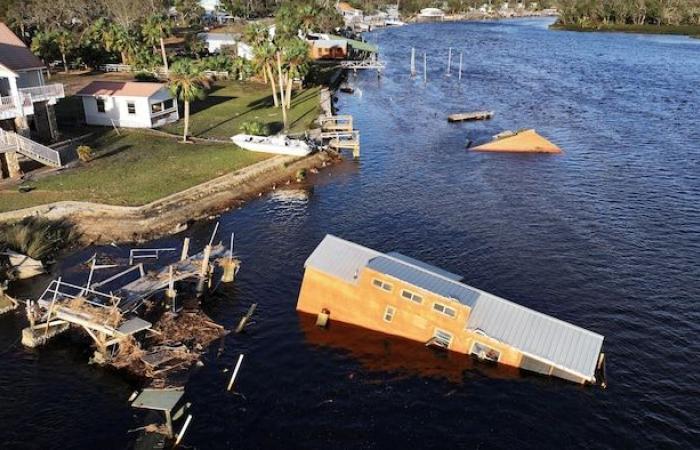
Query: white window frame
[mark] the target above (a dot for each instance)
(438, 340)
(475, 343)
(382, 285)
(104, 104)
(391, 312)
(444, 309)
(411, 296)
(131, 104)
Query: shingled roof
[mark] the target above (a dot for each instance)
(14, 54)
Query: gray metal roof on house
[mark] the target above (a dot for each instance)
(426, 266)
(537, 335)
(560, 343)
(340, 258)
(424, 279)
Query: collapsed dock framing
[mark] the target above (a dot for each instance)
(111, 311)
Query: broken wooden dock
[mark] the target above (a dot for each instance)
(107, 310)
(469, 116)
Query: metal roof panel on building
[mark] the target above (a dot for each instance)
(120, 89)
(357, 45)
(424, 279)
(426, 266)
(340, 258)
(545, 337)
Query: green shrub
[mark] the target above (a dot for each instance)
(256, 128)
(145, 76)
(37, 237)
(85, 153)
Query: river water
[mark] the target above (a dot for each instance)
(606, 236)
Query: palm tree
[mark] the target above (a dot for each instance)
(307, 16)
(187, 83)
(265, 60)
(154, 30)
(65, 41)
(296, 55)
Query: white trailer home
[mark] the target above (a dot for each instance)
(128, 104)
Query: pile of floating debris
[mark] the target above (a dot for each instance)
(176, 343)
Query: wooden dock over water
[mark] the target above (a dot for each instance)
(339, 134)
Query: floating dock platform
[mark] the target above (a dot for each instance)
(470, 116)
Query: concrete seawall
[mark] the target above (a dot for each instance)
(101, 223)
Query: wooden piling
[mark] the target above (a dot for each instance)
(246, 318)
(235, 372)
(425, 68)
(413, 62)
(185, 249)
(460, 65)
(181, 434)
(449, 61)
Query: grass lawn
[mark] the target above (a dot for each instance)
(229, 104)
(133, 169)
(137, 168)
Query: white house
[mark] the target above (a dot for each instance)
(26, 101)
(128, 104)
(214, 41)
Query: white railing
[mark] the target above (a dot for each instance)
(115, 68)
(43, 93)
(158, 72)
(8, 104)
(31, 149)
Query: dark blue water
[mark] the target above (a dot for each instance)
(606, 236)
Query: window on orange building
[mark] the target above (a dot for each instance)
(444, 309)
(483, 351)
(408, 295)
(389, 313)
(442, 338)
(383, 285)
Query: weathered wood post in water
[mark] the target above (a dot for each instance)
(413, 62)
(449, 61)
(460, 65)
(425, 68)
(230, 264)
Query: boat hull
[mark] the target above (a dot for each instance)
(271, 145)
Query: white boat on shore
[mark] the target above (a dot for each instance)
(279, 144)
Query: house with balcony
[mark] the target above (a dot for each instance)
(395, 294)
(128, 104)
(26, 99)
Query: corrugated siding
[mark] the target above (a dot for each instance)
(426, 266)
(535, 333)
(340, 258)
(424, 279)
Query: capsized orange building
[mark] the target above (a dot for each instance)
(398, 295)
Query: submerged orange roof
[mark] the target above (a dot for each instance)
(527, 141)
(120, 89)
(14, 54)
